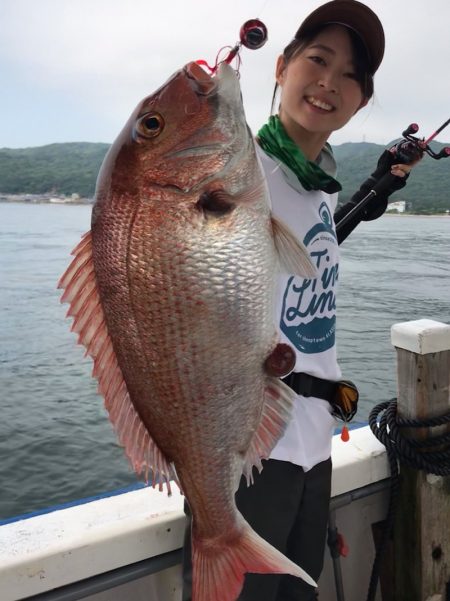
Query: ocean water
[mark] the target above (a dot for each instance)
(56, 443)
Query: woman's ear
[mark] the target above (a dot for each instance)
(280, 68)
(363, 103)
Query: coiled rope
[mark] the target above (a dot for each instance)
(386, 426)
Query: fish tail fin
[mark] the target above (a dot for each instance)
(219, 575)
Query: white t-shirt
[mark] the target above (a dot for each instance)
(306, 310)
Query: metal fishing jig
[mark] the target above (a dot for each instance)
(252, 35)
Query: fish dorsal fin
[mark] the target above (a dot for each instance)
(292, 254)
(279, 400)
(80, 290)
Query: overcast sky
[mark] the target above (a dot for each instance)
(73, 70)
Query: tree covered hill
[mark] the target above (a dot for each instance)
(56, 168)
(73, 167)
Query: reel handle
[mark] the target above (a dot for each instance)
(444, 153)
(411, 129)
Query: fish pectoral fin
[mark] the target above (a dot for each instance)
(292, 254)
(218, 573)
(279, 400)
(80, 290)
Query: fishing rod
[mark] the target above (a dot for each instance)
(252, 35)
(437, 131)
(408, 150)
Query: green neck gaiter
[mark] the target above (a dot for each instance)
(275, 141)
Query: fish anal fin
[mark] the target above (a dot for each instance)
(292, 254)
(277, 409)
(81, 291)
(218, 574)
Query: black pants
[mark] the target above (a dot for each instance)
(289, 508)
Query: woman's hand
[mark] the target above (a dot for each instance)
(402, 169)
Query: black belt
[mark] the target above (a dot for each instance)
(342, 395)
(307, 385)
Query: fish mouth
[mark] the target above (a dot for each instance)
(224, 81)
(222, 87)
(223, 84)
(203, 83)
(229, 87)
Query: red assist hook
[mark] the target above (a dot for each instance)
(253, 35)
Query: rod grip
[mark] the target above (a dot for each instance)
(384, 184)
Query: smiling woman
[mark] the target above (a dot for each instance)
(321, 89)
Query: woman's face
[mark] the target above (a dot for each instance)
(319, 91)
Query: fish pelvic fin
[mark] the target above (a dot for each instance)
(277, 409)
(218, 574)
(292, 254)
(81, 292)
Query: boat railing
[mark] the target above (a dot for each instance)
(75, 552)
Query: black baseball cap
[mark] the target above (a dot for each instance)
(354, 15)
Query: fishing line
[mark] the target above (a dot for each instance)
(263, 8)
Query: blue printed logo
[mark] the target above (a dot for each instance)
(308, 316)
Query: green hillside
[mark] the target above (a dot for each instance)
(73, 167)
(56, 168)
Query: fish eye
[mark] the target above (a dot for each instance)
(150, 125)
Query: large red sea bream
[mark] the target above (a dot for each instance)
(172, 295)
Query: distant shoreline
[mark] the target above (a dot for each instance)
(30, 199)
(90, 202)
(416, 215)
